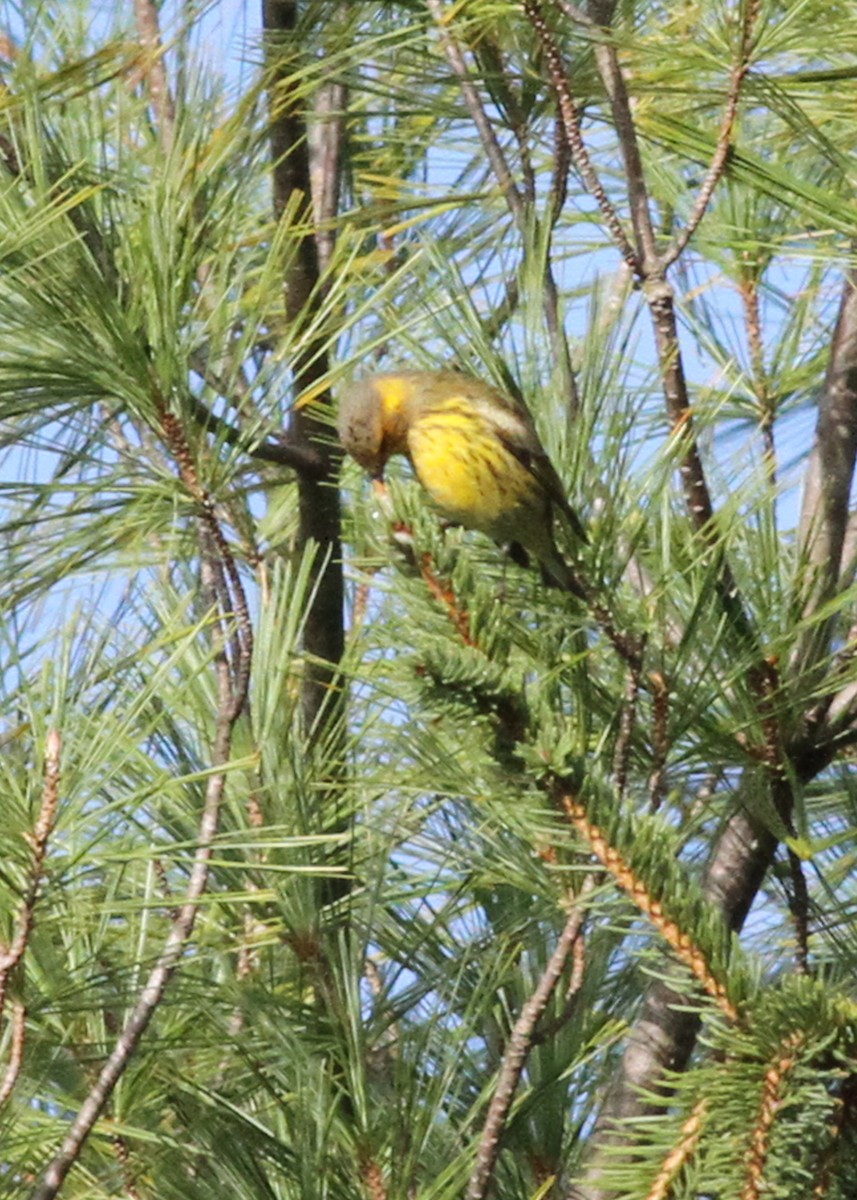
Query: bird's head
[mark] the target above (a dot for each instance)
(372, 422)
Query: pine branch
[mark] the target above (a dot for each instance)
(517, 201)
(11, 956)
(232, 684)
(724, 136)
(772, 1088)
(568, 109)
(520, 1043)
(681, 1153)
(679, 941)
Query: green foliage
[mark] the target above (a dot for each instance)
(384, 899)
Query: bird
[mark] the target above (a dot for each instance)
(473, 449)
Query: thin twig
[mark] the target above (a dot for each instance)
(571, 124)
(613, 78)
(627, 720)
(160, 975)
(10, 957)
(16, 1052)
(303, 458)
(237, 601)
(660, 739)
(724, 136)
(749, 289)
(515, 199)
(518, 1048)
(231, 696)
(478, 114)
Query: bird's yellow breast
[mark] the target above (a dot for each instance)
(466, 469)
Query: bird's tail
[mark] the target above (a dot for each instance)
(557, 573)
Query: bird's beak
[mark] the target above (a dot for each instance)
(382, 495)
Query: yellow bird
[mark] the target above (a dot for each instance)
(475, 451)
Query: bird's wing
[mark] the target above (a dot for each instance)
(517, 432)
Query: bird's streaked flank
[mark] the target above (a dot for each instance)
(474, 450)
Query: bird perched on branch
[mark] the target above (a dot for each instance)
(474, 450)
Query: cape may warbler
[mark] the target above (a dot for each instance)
(475, 451)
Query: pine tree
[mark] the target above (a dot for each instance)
(342, 858)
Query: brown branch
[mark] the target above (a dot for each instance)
(613, 79)
(660, 739)
(628, 646)
(754, 1185)
(679, 941)
(571, 124)
(516, 201)
(660, 298)
(12, 955)
(232, 684)
(724, 136)
(235, 601)
(649, 267)
(327, 148)
(749, 289)
(286, 453)
(149, 32)
(518, 1048)
(443, 593)
(182, 928)
(16, 1052)
(478, 114)
(627, 721)
(680, 1154)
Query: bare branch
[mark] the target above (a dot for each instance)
(287, 453)
(478, 115)
(149, 32)
(724, 136)
(518, 204)
(627, 721)
(614, 83)
(571, 124)
(749, 289)
(519, 1045)
(659, 295)
(10, 957)
(829, 475)
(318, 501)
(16, 1053)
